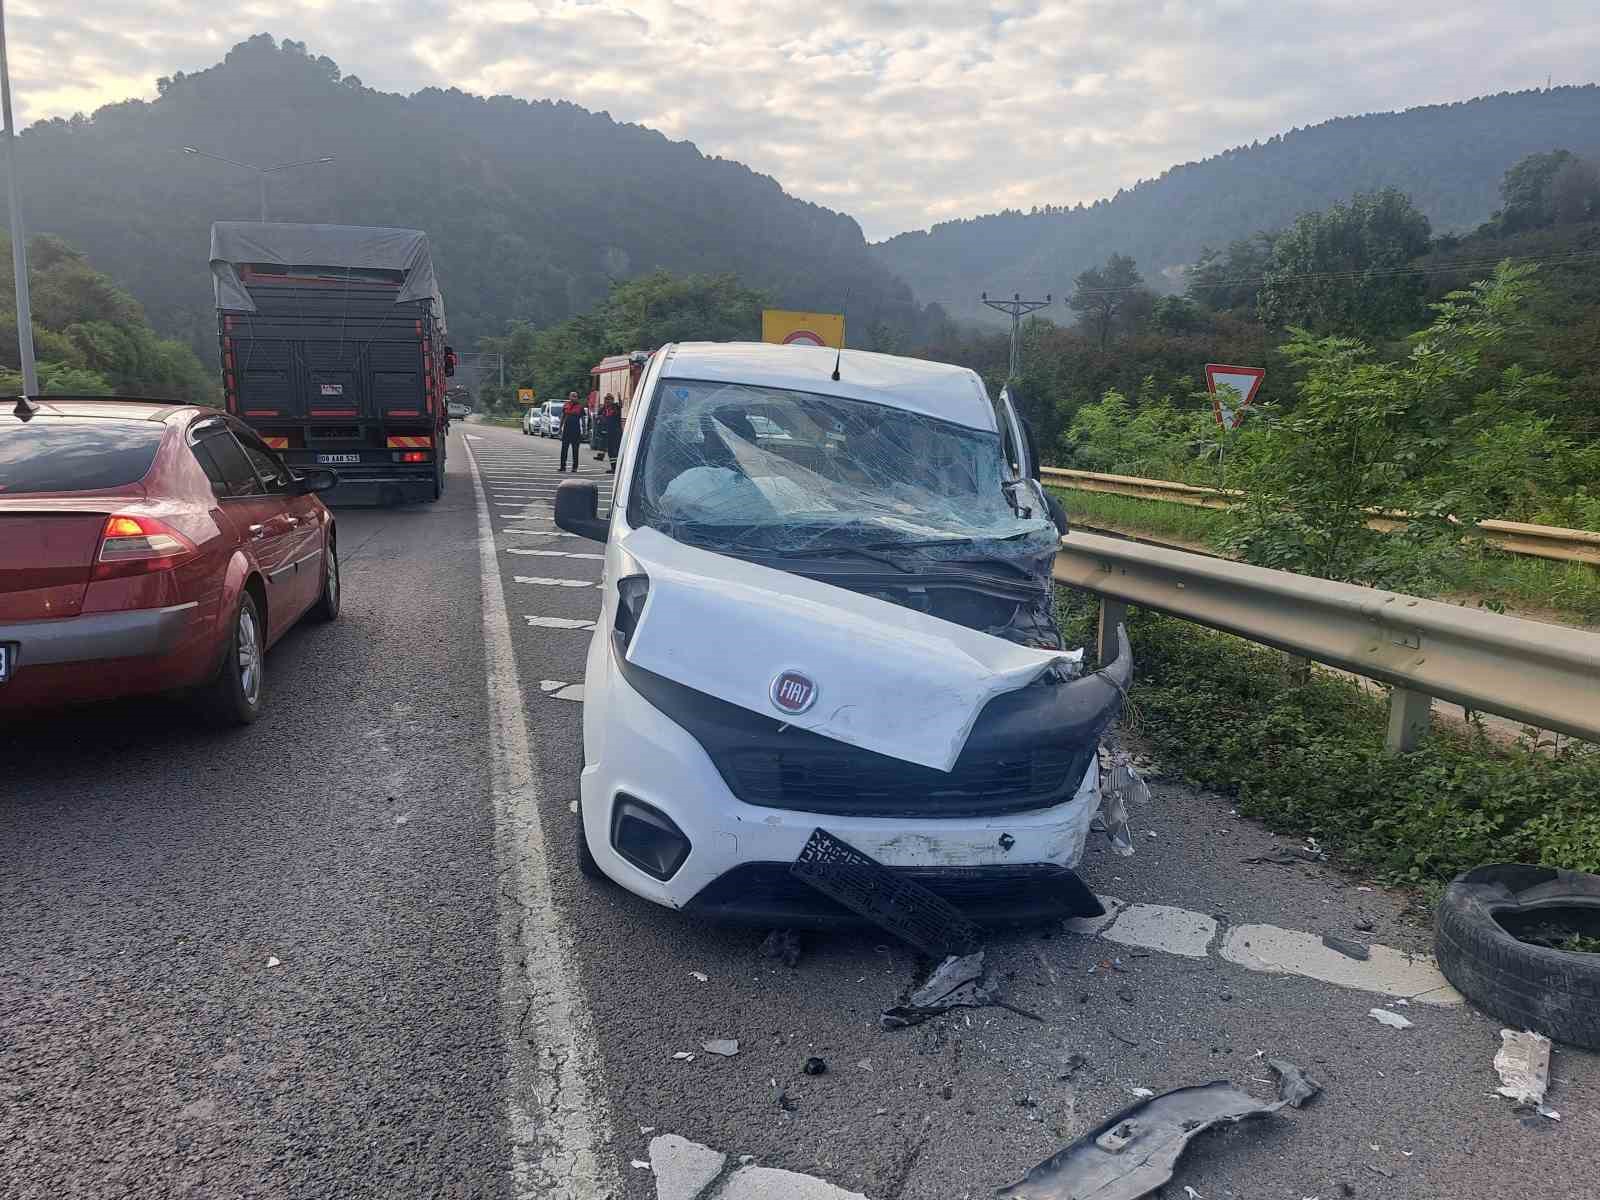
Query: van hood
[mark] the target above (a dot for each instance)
(886, 678)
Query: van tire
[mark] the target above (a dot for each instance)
(588, 865)
(1553, 992)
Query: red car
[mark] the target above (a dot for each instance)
(151, 547)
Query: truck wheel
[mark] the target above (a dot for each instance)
(235, 696)
(1529, 986)
(438, 479)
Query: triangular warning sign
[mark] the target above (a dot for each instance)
(1246, 381)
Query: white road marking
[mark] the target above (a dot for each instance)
(561, 691)
(1268, 949)
(556, 1127)
(558, 623)
(686, 1170)
(1290, 952)
(554, 553)
(540, 532)
(571, 583)
(1160, 927)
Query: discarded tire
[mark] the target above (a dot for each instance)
(1476, 938)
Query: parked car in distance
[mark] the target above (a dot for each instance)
(550, 419)
(459, 411)
(828, 606)
(530, 419)
(151, 547)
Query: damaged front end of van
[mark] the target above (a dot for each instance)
(836, 612)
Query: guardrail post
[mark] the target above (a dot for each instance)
(1112, 614)
(1409, 715)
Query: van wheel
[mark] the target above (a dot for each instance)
(235, 696)
(587, 863)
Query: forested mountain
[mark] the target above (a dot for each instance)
(1448, 158)
(533, 208)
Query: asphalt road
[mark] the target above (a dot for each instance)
(148, 871)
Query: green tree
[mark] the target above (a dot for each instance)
(1525, 191)
(1344, 270)
(1105, 296)
(1365, 434)
(1225, 282)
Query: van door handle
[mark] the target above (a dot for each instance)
(257, 532)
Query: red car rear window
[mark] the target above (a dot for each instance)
(74, 454)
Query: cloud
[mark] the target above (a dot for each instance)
(901, 113)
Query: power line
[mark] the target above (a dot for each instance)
(1016, 308)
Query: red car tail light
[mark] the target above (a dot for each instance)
(139, 545)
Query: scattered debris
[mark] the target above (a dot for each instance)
(1137, 1150)
(1346, 947)
(1377, 1170)
(865, 1064)
(1071, 1065)
(889, 899)
(947, 1092)
(783, 945)
(274, 961)
(641, 1165)
(957, 982)
(1125, 994)
(726, 1047)
(1295, 1087)
(1281, 858)
(1142, 1092)
(1121, 1037)
(1392, 1019)
(815, 1066)
(1523, 1064)
(1365, 924)
(683, 1056)
(784, 1101)
(1119, 784)
(402, 820)
(1191, 1193)
(700, 976)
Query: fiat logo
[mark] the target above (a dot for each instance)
(793, 692)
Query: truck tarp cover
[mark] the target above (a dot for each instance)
(236, 244)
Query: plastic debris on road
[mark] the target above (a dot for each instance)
(1137, 1150)
(1119, 784)
(273, 961)
(960, 981)
(700, 976)
(1523, 1064)
(1295, 1087)
(726, 1047)
(1392, 1019)
(683, 1056)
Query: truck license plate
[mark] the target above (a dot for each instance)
(332, 389)
(338, 458)
(7, 657)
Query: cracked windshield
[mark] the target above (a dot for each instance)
(687, 600)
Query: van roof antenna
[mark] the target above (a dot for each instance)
(844, 310)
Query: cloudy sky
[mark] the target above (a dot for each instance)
(901, 114)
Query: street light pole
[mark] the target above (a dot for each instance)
(19, 249)
(261, 172)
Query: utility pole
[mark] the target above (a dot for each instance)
(1016, 308)
(19, 249)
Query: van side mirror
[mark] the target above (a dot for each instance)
(577, 509)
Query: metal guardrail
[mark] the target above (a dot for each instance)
(1513, 537)
(1543, 675)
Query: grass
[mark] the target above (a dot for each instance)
(1569, 592)
(1304, 754)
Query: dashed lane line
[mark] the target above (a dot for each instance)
(557, 1128)
(554, 553)
(1268, 949)
(538, 581)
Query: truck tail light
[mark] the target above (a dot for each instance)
(138, 546)
(415, 456)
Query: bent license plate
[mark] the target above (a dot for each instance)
(338, 458)
(8, 655)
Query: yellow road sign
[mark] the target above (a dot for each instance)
(524, 395)
(802, 328)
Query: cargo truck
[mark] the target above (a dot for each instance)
(333, 346)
